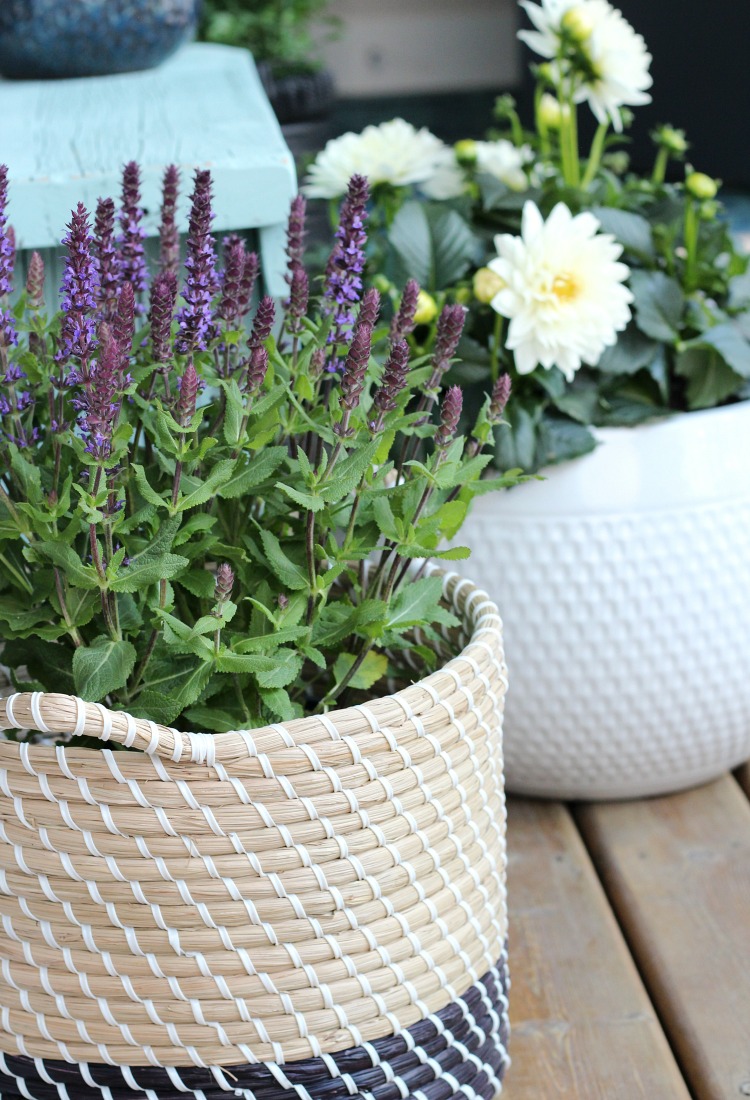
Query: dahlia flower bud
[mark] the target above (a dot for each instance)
(450, 414)
(466, 152)
(403, 319)
(671, 139)
(486, 285)
(577, 24)
(701, 186)
(35, 281)
(426, 310)
(169, 238)
(551, 112)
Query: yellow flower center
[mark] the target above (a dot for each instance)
(566, 286)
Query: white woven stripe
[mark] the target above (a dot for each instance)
(467, 817)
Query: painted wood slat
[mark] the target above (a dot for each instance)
(581, 1023)
(65, 141)
(677, 871)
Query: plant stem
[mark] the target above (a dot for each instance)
(495, 350)
(351, 672)
(660, 166)
(595, 155)
(691, 245)
(72, 630)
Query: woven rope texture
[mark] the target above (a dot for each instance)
(256, 897)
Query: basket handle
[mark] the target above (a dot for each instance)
(68, 715)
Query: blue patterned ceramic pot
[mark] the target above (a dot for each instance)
(66, 38)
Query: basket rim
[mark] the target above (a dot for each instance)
(52, 712)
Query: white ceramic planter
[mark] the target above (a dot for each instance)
(624, 581)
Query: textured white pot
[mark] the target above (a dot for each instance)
(624, 582)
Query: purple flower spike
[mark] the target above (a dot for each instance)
(123, 328)
(106, 257)
(263, 323)
(161, 313)
(8, 334)
(189, 386)
(234, 265)
(169, 238)
(403, 319)
(299, 294)
(99, 402)
(392, 383)
(355, 368)
(80, 289)
(449, 328)
(450, 414)
(249, 278)
(499, 399)
(370, 308)
(132, 255)
(343, 275)
(196, 320)
(295, 235)
(256, 370)
(35, 282)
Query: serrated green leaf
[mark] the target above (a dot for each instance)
(415, 603)
(65, 557)
(373, 668)
(286, 667)
(102, 667)
(147, 570)
(289, 573)
(144, 487)
(253, 473)
(49, 663)
(220, 474)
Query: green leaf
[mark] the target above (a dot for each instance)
(102, 667)
(199, 582)
(305, 500)
(256, 470)
(289, 573)
(213, 720)
(65, 557)
(415, 603)
(632, 351)
(731, 344)
(632, 230)
(144, 571)
(172, 686)
(46, 662)
(287, 666)
(220, 474)
(560, 439)
(144, 487)
(710, 380)
(244, 662)
(372, 669)
(349, 474)
(659, 304)
(278, 702)
(434, 244)
(739, 291)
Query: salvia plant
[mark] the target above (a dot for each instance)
(215, 512)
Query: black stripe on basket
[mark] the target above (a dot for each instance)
(461, 1051)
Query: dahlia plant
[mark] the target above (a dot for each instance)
(213, 523)
(610, 297)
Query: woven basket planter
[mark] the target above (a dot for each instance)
(314, 908)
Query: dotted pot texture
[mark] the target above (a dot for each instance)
(624, 584)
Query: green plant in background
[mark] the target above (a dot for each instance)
(610, 297)
(275, 31)
(204, 526)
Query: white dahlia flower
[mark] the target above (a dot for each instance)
(448, 179)
(394, 152)
(562, 290)
(616, 73)
(505, 161)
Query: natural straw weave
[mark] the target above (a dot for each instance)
(255, 897)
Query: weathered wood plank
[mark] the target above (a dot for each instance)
(677, 871)
(581, 1023)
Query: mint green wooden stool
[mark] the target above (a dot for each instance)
(65, 141)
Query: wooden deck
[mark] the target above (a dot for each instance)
(630, 947)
